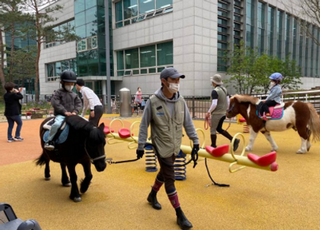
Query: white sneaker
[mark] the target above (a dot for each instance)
(11, 140)
(18, 138)
(48, 146)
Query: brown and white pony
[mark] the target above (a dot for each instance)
(298, 115)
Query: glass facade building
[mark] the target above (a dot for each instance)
(270, 30)
(146, 36)
(90, 28)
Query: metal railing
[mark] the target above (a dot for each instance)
(311, 96)
(198, 106)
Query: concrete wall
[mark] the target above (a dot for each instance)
(192, 26)
(56, 53)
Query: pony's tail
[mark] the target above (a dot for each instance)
(314, 123)
(41, 160)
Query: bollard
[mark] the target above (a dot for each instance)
(180, 171)
(151, 159)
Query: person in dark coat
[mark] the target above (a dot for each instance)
(13, 111)
(65, 102)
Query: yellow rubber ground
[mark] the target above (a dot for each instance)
(116, 199)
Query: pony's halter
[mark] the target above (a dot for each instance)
(231, 108)
(92, 159)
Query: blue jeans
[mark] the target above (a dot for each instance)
(55, 126)
(11, 120)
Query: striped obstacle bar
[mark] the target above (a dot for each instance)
(151, 159)
(180, 170)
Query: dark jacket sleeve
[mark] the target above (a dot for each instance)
(56, 103)
(18, 96)
(12, 104)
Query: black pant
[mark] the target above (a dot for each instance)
(266, 105)
(166, 172)
(98, 111)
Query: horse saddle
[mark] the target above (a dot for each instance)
(62, 133)
(276, 111)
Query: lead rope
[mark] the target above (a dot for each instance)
(213, 182)
(207, 124)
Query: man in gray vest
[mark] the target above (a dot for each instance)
(167, 113)
(217, 111)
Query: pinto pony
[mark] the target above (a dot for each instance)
(298, 115)
(84, 145)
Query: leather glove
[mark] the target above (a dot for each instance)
(140, 153)
(194, 154)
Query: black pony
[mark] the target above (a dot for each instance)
(84, 145)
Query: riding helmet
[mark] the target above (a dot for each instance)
(276, 76)
(68, 76)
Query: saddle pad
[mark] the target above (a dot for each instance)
(62, 138)
(276, 113)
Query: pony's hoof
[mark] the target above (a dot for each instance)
(308, 147)
(47, 178)
(248, 149)
(66, 184)
(300, 152)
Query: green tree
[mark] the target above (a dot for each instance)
(250, 71)
(40, 14)
(260, 73)
(12, 19)
(24, 60)
(239, 68)
(291, 74)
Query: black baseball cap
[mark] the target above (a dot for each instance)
(170, 72)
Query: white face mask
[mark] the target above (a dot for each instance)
(68, 87)
(173, 87)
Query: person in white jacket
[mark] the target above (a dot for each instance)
(90, 102)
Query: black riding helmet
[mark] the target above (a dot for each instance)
(68, 76)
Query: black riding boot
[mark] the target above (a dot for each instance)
(213, 140)
(152, 199)
(236, 141)
(182, 220)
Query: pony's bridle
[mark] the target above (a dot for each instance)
(92, 159)
(231, 108)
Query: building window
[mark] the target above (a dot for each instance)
(250, 24)
(119, 14)
(145, 60)
(147, 56)
(58, 33)
(261, 27)
(78, 6)
(288, 34)
(132, 11)
(54, 69)
(270, 29)
(165, 54)
(294, 33)
(279, 34)
(87, 44)
(130, 8)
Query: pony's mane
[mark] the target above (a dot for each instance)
(97, 135)
(246, 98)
(78, 123)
